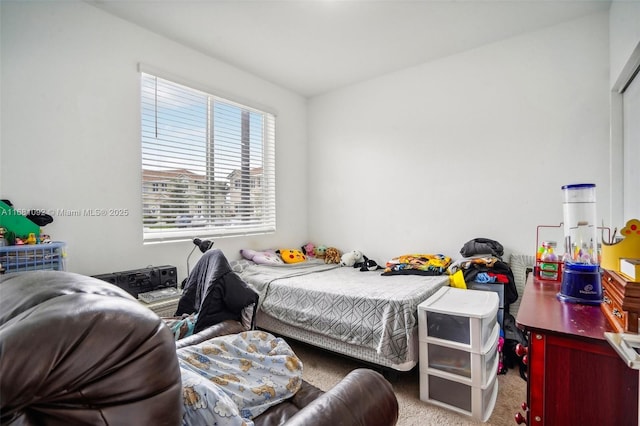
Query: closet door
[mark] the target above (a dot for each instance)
(631, 149)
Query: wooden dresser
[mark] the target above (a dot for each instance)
(575, 376)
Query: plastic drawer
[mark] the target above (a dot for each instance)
(471, 368)
(465, 318)
(474, 401)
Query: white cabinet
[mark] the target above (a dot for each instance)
(458, 334)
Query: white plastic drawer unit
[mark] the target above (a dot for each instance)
(466, 319)
(471, 368)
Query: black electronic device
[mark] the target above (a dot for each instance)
(143, 280)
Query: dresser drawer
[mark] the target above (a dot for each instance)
(627, 292)
(622, 321)
(620, 308)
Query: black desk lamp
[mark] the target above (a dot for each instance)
(203, 245)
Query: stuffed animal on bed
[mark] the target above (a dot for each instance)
(332, 255)
(320, 251)
(350, 258)
(292, 256)
(309, 249)
(266, 257)
(368, 265)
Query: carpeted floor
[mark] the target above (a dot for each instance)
(324, 369)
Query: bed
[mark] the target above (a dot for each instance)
(363, 315)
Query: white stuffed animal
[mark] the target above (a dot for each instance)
(352, 257)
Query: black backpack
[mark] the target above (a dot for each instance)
(512, 336)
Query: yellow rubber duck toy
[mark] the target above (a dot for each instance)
(31, 239)
(628, 247)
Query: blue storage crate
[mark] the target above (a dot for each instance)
(32, 257)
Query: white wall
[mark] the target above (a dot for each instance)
(474, 145)
(1, 97)
(70, 136)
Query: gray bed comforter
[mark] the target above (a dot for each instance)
(360, 308)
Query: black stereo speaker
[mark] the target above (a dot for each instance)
(143, 280)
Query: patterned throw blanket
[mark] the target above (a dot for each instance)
(418, 264)
(229, 380)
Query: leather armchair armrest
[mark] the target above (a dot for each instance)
(363, 398)
(221, 329)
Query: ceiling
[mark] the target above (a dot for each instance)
(314, 46)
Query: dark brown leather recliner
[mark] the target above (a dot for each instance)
(75, 350)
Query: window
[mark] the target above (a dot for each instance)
(208, 166)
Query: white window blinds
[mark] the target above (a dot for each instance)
(208, 166)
